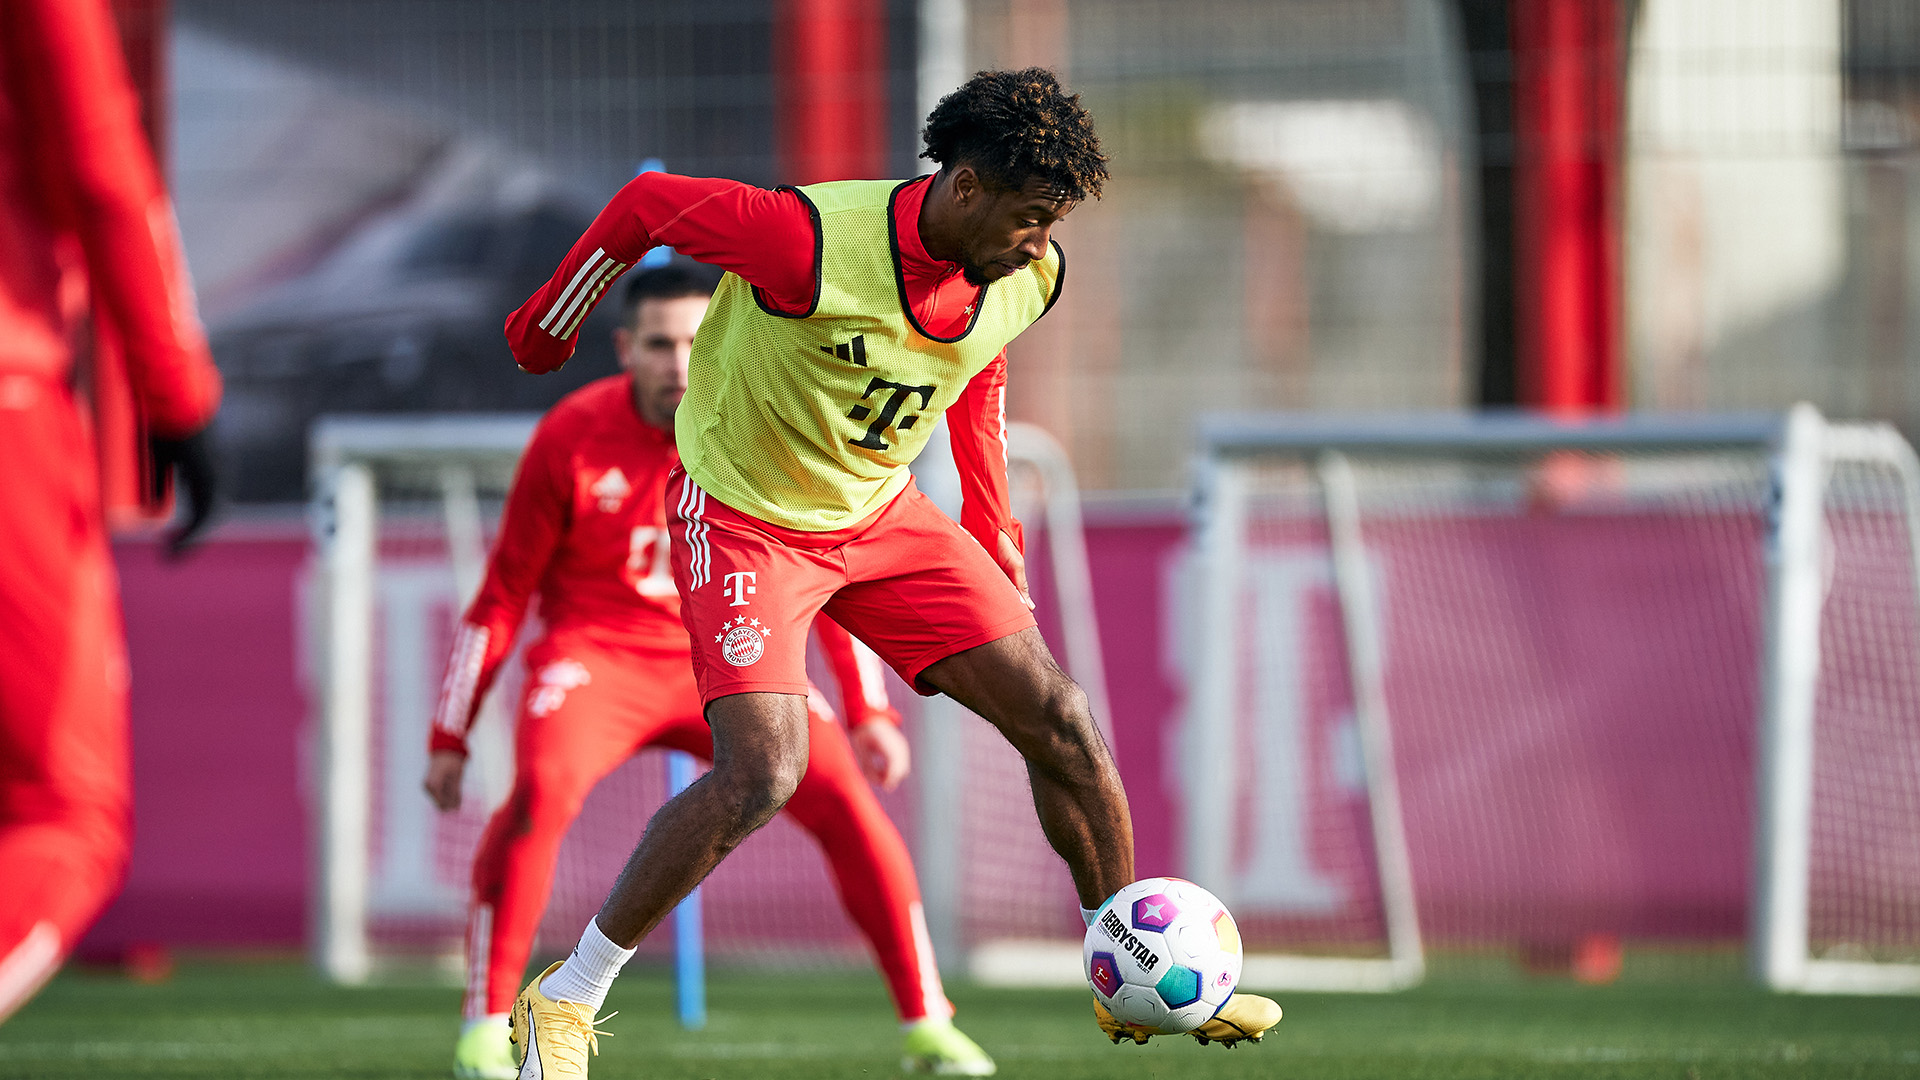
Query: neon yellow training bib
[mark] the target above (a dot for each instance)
(809, 421)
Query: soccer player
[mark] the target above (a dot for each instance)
(81, 208)
(585, 529)
(853, 316)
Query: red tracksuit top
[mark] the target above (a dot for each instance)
(768, 238)
(585, 529)
(81, 207)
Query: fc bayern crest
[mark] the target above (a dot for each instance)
(742, 641)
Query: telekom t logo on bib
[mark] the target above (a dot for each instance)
(737, 586)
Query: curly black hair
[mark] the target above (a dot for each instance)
(1014, 126)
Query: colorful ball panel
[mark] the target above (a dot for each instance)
(1179, 987)
(1155, 912)
(1104, 976)
(1227, 932)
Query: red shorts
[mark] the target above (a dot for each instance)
(908, 581)
(587, 707)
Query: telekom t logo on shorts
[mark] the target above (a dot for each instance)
(737, 586)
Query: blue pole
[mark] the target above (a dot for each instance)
(689, 944)
(689, 947)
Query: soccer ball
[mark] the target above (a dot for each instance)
(1162, 953)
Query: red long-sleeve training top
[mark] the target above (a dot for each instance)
(82, 209)
(767, 237)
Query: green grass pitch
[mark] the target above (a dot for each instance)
(219, 1020)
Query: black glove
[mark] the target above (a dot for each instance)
(191, 455)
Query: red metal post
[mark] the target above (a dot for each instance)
(1569, 74)
(830, 87)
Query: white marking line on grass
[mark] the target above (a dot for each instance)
(1789, 1052)
(1616, 1054)
(1794, 1054)
(1556, 1056)
(774, 1051)
(755, 1050)
(1050, 1053)
(221, 1048)
(66, 1051)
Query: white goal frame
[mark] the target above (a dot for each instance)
(348, 455)
(1802, 448)
(940, 754)
(1810, 447)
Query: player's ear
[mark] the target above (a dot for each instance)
(622, 343)
(966, 185)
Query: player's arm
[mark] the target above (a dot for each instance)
(531, 526)
(977, 427)
(84, 115)
(873, 724)
(766, 237)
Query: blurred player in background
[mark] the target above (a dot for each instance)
(82, 213)
(854, 315)
(585, 528)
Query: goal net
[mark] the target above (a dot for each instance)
(404, 511)
(1506, 681)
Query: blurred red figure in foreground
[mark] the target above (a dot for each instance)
(82, 213)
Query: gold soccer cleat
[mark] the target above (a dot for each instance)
(555, 1037)
(1243, 1016)
(1116, 1030)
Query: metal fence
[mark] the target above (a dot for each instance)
(1291, 222)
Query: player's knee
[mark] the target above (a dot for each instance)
(753, 789)
(1062, 737)
(779, 782)
(1062, 713)
(97, 843)
(1066, 705)
(96, 825)
(543, 802)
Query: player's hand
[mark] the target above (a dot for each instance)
(445, 768)
(1015, 564)
(881, 748)
(191, 458)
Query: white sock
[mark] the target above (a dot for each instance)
(589, 973)
(1087, 914)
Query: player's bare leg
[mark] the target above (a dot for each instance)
(759, 756)
(1016, 685)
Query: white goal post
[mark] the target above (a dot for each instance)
(1795, 491)
(380, 853)
(353, 458)
(953, 753)
(1811, 451)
